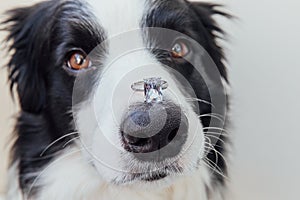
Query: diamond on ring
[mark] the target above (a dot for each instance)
(152, 88)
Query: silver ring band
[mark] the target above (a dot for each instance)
(140, 85)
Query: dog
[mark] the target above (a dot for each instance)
(119, 100)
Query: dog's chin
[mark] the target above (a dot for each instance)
(151, 180)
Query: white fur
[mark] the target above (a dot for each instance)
(127, 61)
(118, 16)
(70, 177)
(14, 191)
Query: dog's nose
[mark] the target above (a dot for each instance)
(150, 128)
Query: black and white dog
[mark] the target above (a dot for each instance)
(120, 99)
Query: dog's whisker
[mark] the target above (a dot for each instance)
(57, 140)
(216, 137)
(200, 100)
(212, 116)
(43, 157)
(212, 147)
(214, 169)
(215, 128)
(223, 134)
(71, 140)
(215, 145)
(213, 166)
(210, 143)
(217, 114)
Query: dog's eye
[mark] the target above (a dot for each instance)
(78, 60)
(179, 49)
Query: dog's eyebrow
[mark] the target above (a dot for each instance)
(81, 15)
(164, 13)
(76, 27)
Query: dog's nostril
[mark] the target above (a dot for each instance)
(172, 134)
(135, 144)
(135, 141)
(142, 142)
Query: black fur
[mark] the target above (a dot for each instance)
(41, 36)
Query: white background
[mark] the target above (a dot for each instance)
(263, 53)
(265, 73)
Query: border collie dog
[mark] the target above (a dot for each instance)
(119, 100)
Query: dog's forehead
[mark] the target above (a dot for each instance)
(117, 16)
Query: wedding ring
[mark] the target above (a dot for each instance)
(140, 85)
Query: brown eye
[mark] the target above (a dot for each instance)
(78, 60)
(179, 50)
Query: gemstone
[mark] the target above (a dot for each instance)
(153, 90)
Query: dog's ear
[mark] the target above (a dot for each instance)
(205, 13)
(27, 44)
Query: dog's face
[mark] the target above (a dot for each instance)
(86, 66)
